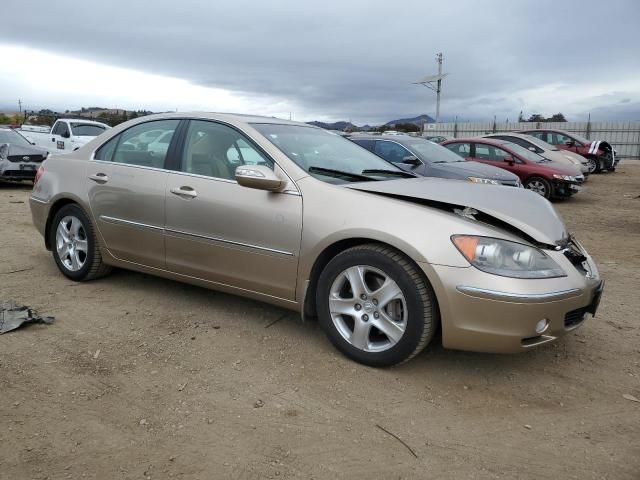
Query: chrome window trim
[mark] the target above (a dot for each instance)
(130, 165)
(226, 180)
(108, 162)
(518, 297)
(121, 221)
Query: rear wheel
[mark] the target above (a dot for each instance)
(539, 185)
(375, 306)
(75, 248)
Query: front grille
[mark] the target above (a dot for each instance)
(574, 317)
(25, 158)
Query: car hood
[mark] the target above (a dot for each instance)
(19, 151)
(560, 156)
(522, 210)
(476, 169)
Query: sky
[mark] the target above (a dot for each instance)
(325, 60)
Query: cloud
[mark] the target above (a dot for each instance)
(340, 60)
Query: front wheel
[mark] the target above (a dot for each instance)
(75, 248)
(540, 186)
(593, 164)
(375, 305)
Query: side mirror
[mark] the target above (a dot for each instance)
(509, 159)
(533, 149)
(569, 143)
(259, 177)
(65, 134)
(411, 160)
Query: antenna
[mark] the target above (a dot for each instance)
(434, 82)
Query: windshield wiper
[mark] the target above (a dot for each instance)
(394, 173)
(338, 173)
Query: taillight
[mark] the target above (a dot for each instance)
(38, 175)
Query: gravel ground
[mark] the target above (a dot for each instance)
(141, 377)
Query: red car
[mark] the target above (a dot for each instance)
(545, 177)
(599, 154)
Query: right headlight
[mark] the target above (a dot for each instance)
(505, 258)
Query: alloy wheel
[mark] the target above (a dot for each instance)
(368, 308)
(538, 187)
(591, 164)
(71, 243)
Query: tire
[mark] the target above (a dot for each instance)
(594, 165)
(372, 333)
(74, 245)
(540, 186)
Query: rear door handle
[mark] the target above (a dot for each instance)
(99, 177)
(184, 191)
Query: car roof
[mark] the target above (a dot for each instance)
(393, 138)
(489, 141)
(225, 117)
(81, 120)
(523, 136)
(545, 130)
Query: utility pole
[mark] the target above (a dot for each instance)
(439, 85)
(434, 82)
(20, 105)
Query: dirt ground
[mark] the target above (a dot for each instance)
(141, 377)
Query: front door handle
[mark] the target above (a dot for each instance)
(99, 177)
(184, 191)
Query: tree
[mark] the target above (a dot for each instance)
(520, 117)
(557, 117)
(536, 117)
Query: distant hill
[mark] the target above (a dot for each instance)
(334, 126)
(342, 125)
(419, 120)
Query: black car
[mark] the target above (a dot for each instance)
(428, 159)
(19, 159)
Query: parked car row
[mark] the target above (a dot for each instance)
(299, 217)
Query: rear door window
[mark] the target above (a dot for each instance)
(463, 149)
(391, 151)
(134, 147)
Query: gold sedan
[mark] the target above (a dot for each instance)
(302, 218)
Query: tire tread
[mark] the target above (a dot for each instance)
(429, 325)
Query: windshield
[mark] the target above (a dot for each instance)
(525, 153)
(315, 150)
(86, 129)
(9, 136)
(580, 139)
(431, 152)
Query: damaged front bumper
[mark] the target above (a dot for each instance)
(489, 313)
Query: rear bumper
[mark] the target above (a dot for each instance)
(486, 313)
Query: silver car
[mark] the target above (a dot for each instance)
(296, 216)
